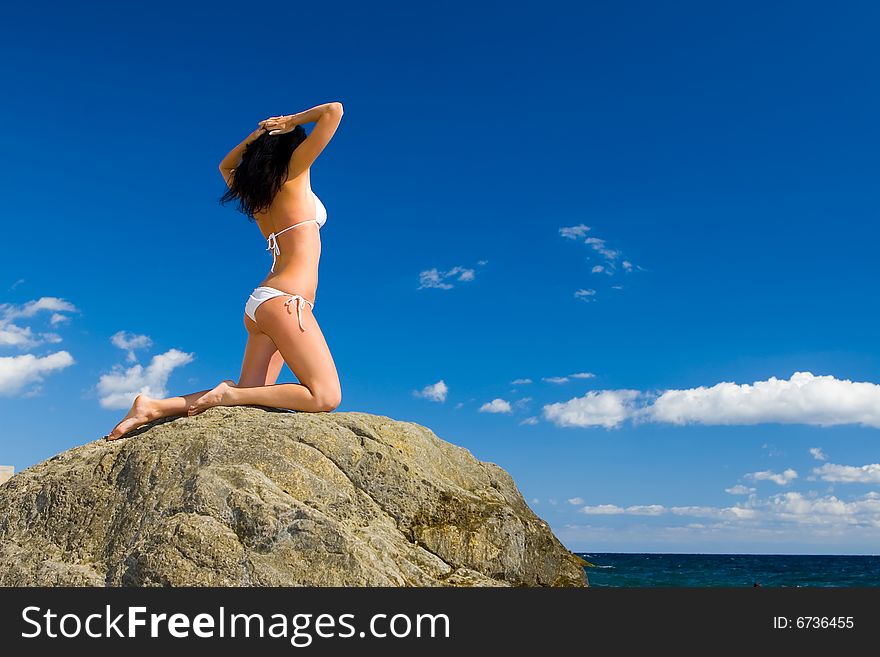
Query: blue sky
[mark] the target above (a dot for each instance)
(675, 202)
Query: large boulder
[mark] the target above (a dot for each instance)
(247, 496)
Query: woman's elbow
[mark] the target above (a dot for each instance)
(336, 107)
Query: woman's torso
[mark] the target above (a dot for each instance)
(296, 266)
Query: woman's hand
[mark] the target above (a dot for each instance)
(278, 125)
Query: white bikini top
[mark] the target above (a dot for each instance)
(321, 219)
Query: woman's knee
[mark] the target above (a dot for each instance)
(328, 400)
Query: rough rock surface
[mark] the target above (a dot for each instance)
(247, 496)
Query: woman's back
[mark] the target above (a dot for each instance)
(291, 227)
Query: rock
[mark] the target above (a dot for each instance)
(247, 496)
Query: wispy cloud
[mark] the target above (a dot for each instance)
(497, 405)
(13, 334)
(803, 399)
(435, 392)
(739, 489)
(782, 478)
(574, 232)
(520, 382)
(818, 454)
(568, 377)
(18, 372)
(530, 421)
(444, 280)
(118, 388)
(612, 259)
(849, 474)
(781, 508)
(129, 342)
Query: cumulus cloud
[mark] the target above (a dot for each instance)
(129, 342)
(597, 408)
(118, 388)
(582, 375)
(818, 454)
(496, 406)
(803, 399)
(18, 372)
(782, 478)
(441, 280)
(849, 474)
(435, 392)
(555, 379)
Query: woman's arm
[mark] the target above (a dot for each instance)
(278, 125)
(234, 156)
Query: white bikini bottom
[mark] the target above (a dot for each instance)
(264, 293)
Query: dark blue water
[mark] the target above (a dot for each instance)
(623, 569)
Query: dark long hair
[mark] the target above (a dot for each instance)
(262, 171)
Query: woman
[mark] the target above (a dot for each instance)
(269, 174)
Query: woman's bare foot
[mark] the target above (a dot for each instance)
(216, 396)
(143, 410)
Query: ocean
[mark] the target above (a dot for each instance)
(655, 569)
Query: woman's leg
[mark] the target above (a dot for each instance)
(306, 354)
(147, 409)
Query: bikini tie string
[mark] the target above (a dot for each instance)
(299, 304)
(274, 248)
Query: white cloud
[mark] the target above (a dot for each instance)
(119, 388)
(782, 478)
(129, 342)
(520, 382)
(530, 421)
(605, 408)
(434, 278)
(598, 245)
(12, 335)
(23, 337)
(597, 269)
(435, 392)
(482, 262)
(803, 399)
(574, 232)
(739, 489)
(582, 375)
(849, 474)
(31, 308)
(585, 295)
(576, 500)
(496, 406)
(603, 509)
(555, 379)
(17, 372)
(818, 454)
(627, 265)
